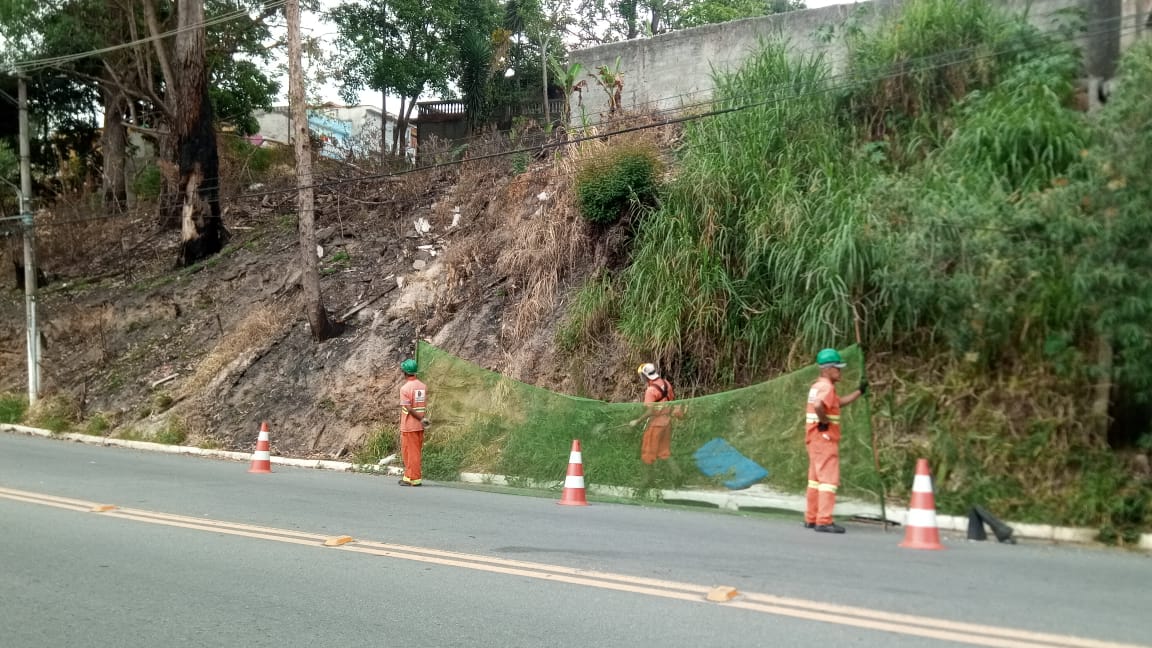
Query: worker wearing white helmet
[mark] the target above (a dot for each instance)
(657, 441)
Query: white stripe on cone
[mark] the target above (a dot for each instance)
(922, 484)
(921, 518)
(261, 455)
(574, 481)
(574, 458)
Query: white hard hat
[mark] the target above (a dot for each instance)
(648, 370)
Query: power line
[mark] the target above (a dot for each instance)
(673, 121)
(796, 52)
(30, 65)
(847, 76)
(50, 62)
(687, 118)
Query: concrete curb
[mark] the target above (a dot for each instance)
(760, 497)
(750, 499)
(89, 439)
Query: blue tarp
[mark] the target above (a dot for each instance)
(718, 458)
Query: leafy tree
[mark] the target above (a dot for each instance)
(478, 41)
(400, 47)
(536, 32)
(238, 80)
(134, 86)
(606, 21)
(708, 12)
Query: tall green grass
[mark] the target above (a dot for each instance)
(909, 71)
(12, 408)
(590, 316)
(991, 242)
(760, 237)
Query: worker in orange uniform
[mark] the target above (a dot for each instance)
(822, 437)
(657, 441)
(413, 403)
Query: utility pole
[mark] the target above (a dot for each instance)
(29, 247)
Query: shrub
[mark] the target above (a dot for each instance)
(381, 444)
(257, 159)
(148, 182)
(12, 408)
(97, 425)
(609, 186)
(590, 317)
(174, 432)
(55, 413)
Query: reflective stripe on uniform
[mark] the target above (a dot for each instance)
(827, 488)
(812, 418)
(813, 484)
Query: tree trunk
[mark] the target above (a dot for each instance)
(115, 145)
(168, 214)
(383, 126)
(398, 130)
(322, 327)
(544, 72)
(169, 200)
(202, 229)
(400, 135)
(1102, 394)
(657, 10)
(629, 9)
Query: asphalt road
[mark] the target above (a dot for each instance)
(201, 553)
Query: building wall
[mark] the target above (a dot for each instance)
(346, 126)
(675, 70)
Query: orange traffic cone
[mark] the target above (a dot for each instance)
(262, 458)
(574, 483)
(921, 530)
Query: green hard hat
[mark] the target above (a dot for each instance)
(830, 358)
(408, 366)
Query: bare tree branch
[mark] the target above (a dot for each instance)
(161, 55)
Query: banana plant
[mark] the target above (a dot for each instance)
(566, 76)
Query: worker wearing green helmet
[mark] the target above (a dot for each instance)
(413, 404)
(822, 439)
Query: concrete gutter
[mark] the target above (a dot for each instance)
(757, 497)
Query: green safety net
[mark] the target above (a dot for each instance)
(483, 422)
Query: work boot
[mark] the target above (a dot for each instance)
(809, 525)
(828, 528)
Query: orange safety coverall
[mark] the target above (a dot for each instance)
(413, 398)
(657, 441)
(823, 453)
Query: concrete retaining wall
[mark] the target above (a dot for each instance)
(675, 70)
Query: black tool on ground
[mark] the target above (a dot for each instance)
(978, 516)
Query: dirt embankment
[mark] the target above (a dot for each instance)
(476, 259)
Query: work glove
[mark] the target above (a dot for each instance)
(425, 421)
(823, 427)
(863, 387)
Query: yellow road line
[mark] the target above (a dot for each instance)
(905, 624)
